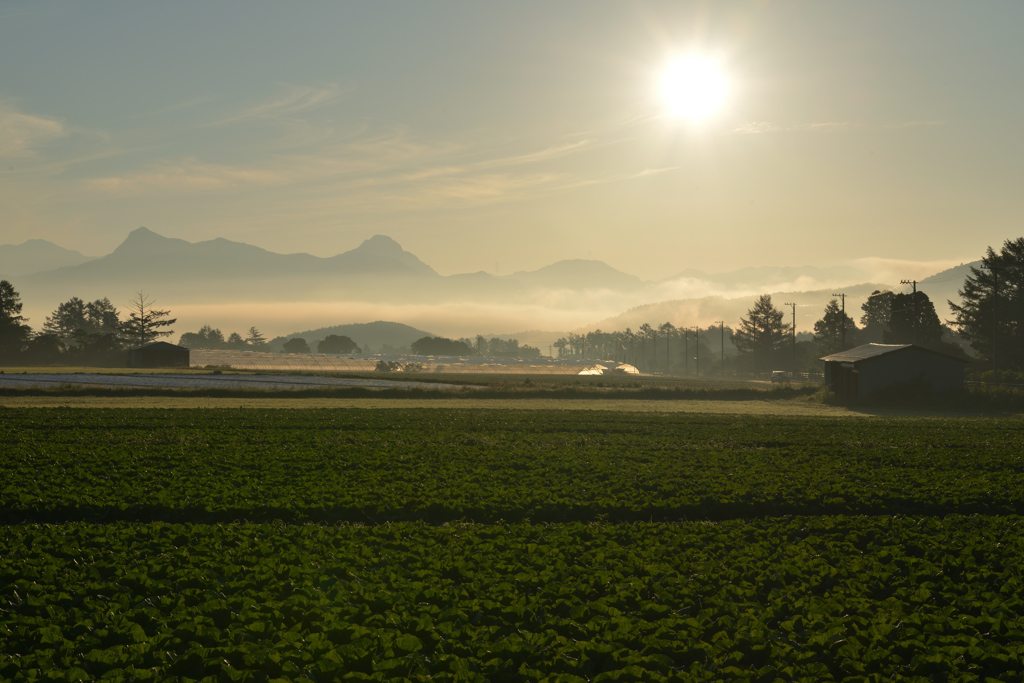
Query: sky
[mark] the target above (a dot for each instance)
(507, 136)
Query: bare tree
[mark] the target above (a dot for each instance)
(144, 322)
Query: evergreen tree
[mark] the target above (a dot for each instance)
(144, 322)
(102, 318)
(14, 333)
(761, 333)
(255, 338)
(333, 343)
(833, 328)
(875, 321)
(901, 322)
(993, 304)
(667, 329)
(235, 342)
(296, 345)
(75, 318)
(67, 319)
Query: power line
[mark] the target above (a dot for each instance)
(914, 300)
(721, 324)
(842, 322)
(794, 335)
(995, 318)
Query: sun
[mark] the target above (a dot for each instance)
(694, 87)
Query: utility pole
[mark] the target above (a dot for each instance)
(668, 355)
(794, 337)
(721, 324)
(842, 322)
(914, 299)
(995, 318)
(686, 351)
(696, 344)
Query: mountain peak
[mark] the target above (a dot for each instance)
(381, 244)
(36, 255)
(143, 234)
(146, 239)
(381, 249)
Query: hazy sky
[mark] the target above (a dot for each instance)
(511, 135)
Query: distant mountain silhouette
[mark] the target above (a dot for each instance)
(381, 254)
(229, 270)
(700, 311)
(944, 287)
(223, 270)
(374, 334)
(579, 275)
(379, 271)
(761, 276)
(33, 256)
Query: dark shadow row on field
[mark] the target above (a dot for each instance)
(500, 391)
(438, 515)
(797, 407)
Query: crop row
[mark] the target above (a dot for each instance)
(813, 598)
(485, 466)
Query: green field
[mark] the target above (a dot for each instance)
(448, 544)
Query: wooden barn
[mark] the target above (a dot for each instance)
(158, 355)
(863, 369)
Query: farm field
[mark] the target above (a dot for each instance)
(792, 407)
(464, 544)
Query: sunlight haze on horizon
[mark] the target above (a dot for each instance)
(654, 136)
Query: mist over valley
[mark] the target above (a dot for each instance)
(232, 286)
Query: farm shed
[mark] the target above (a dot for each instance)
(158, 355)
(864, 369)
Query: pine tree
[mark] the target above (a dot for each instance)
(901, 322)
(255, 339)
(875, 321)
(144, 322)
(829, 332)
(14, 333)
(993, 303)
(761, 333)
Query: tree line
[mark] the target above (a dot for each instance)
(78, 332)
(426, 346)
(211, 338)
(990, 317)
(665, 348)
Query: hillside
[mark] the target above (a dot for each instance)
(33, 256)
(374, 334)
(705, 311)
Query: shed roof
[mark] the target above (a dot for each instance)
(158, 345)
(868, 351)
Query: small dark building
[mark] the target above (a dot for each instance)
(864, 369)
(158, 355)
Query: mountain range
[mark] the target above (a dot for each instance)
(566, 295)
(33, 256)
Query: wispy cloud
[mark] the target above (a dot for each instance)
(759, 127)
(186, 175)
(386, 171)
(295, 99)
(22, 134)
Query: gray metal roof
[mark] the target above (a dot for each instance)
(859, 353)
(159, 345)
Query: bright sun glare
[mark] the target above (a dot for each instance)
(694, 87)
